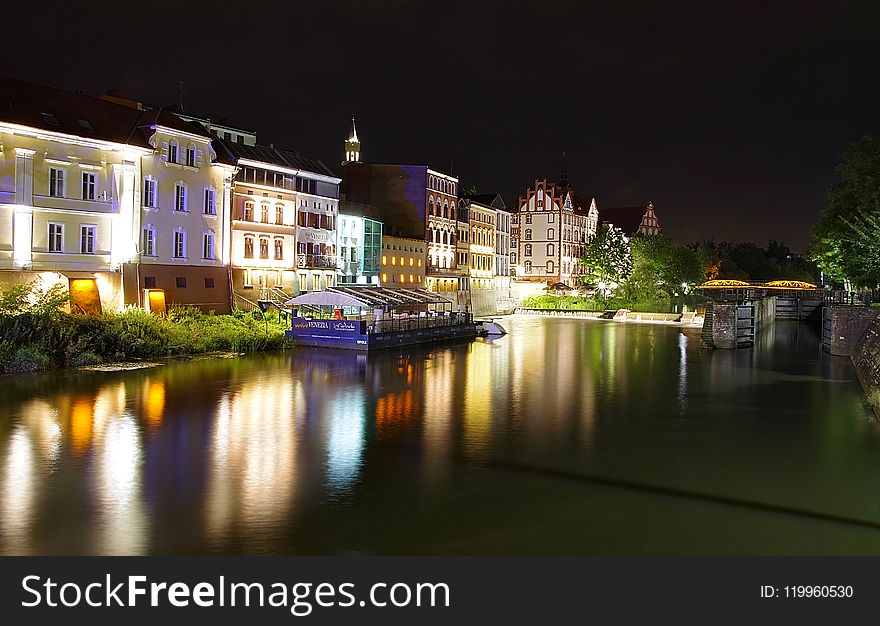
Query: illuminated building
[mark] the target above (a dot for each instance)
(403, 262)
(109, 199)
(414, 202)
(283, 226)
(359, 244)
(482, 216)
(549, 232)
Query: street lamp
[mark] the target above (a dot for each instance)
(264, 307)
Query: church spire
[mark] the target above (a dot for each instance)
(352, 145)
(563, 175)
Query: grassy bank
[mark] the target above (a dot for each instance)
(36, 335)
(570, 303)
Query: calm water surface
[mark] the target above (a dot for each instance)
(565, 436)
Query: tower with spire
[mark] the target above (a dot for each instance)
(352, 146)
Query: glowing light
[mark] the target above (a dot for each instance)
(22, 237)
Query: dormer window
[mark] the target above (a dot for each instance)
(50, 119)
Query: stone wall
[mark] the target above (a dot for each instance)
(721, 323)
(843, 327)
(866, 358)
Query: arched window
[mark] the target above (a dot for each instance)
(431, 206)
(551, 233)
(173, 148)
(527, 250)
(431, 184)
(551, 250)
(264, 247)
(249, 211)
(279, 213)
(264, 213)
(528, 234)
(528, 267)
(248, 247)
(550, 267)
(191, 155)
(279, 249)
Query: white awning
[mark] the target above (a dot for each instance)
(326, 298)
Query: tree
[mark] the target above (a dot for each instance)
(662, 269)
(607, 257)
(846, 237)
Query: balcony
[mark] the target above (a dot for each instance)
(315, 260)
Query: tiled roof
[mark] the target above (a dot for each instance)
(229, 151)
(60, 111)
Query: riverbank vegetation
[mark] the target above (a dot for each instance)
(37, 334)
(846, 238)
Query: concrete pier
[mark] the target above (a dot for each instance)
(730, 324)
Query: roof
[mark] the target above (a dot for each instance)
(367, 296)
(493, 200)
(231, 152)
(60, 111)
(626, 218)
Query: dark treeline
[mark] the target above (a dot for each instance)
(747, 261)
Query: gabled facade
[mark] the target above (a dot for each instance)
(632, 220)
(549, 232)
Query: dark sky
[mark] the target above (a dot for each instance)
(730, 119)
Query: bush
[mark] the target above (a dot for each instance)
(28, 359)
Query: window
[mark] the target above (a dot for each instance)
(528, 218)
(56, 182)
(550, 218)
(191, 155)
(87, 234)
(208, 246)
(264, 248)
(209, 282)
(249, 211)
(172, 152)
(279, 213)
(527, 251)
(181, 282)
(316, 283)
(88, 186)
(180, 244)
(279, 249)
(248, 247)
(528, 233)
(180, 197)
(551, 234)
(264, 213)
(551, 250)
(149, 282)
(56, 237)
(210, 202)
(149, 247)
(150, 192)
(528, 267)
(550, 267)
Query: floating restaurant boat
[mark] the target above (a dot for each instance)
(370, 318)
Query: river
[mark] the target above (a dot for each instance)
(564, 437)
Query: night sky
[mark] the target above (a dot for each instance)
(730, 120)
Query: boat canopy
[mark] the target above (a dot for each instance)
(367, 296)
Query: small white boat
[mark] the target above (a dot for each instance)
(492, 328)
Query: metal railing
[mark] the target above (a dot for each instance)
(416, 323)
(243, 304)
(315, 260)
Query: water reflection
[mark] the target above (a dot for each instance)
(315, 451)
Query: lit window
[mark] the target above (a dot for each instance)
(264, 248)
(56, 237)
(179, 244)
(249, 211)
(179, 197)
(384, 260)
(210, 202)
(279, 249)
(394, 260)
(279, 213)
(208, 246)
(149, 241)
(88, 186)
(150, 192)
(384, 278)
(87, 239)
(56, 182)
(248, 247)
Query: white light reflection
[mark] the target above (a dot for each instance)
(253, 461)
(682, 372)
(345, 441)
(123, 526)
(17, 493)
